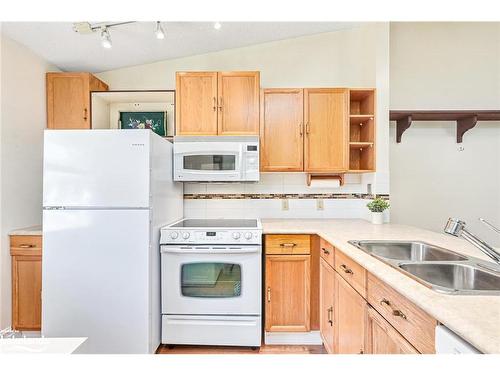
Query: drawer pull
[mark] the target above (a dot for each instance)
(288, 244)
(26, 246)
(346, 269)
(327, 252)
(330, 317)
(394, 312)
(268, 294)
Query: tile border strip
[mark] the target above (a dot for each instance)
(287, 196)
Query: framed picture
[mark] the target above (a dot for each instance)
(156, 121)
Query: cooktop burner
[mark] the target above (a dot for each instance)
(216, 223)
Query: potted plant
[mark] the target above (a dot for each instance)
(377, 207)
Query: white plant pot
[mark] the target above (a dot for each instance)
(377, 218)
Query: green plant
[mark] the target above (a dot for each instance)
(378, 205)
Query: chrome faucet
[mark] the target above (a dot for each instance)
(456, 228)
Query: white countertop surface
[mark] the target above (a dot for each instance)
(35, 230)
(474, 318)
(39, 345)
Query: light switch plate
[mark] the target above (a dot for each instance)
(320, 206)
(284, 205)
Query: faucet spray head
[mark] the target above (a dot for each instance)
(454, 227)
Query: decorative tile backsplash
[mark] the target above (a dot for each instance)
(279, 195)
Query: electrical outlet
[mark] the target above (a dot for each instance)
(284, 205)
(320, 205)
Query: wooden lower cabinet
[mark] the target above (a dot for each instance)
(287, 293)
(350, 315)
(326, 302)
(382, 338)
(26, 256)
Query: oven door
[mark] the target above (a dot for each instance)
(219, 280)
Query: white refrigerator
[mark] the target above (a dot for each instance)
(106, 193)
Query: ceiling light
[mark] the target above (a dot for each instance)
(105, 38)
(217, 25)
(160, 34)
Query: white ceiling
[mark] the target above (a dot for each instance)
(135, 43)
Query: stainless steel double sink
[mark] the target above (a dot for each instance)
(440, 269)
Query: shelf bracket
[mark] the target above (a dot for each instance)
(401, 125)
(463, 125)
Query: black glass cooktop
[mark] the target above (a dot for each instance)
(216, 223)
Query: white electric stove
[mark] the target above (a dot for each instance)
(212, 282)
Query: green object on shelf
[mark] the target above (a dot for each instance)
(156, 121)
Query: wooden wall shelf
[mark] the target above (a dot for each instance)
(466, 119)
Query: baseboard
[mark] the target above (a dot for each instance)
(293, 338)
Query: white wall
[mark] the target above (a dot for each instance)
(445, 66)
(355, 57)
(23, 119)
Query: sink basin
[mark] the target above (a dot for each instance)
(455, 277)
(412, 251)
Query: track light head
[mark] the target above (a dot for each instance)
(217, 25)
(106, 38)
(160, 34)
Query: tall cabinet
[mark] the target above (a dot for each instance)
(217, 103)
(68, 99)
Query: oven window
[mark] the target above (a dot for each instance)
(210, 162)
(211, 280)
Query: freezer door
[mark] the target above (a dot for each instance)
(95, 279)
(96, 168)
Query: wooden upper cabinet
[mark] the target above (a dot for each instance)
(326, 302)
(217, 103)
(350, 313)
(281, 130)
(68, 99)
(382, 338)
(326, 119)
(196, 103)
(287, 293)
(238, 103)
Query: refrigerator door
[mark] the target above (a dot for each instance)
(95, 279)
(96, 168)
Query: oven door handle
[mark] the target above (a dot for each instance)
(211, 250)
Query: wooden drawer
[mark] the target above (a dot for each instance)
(412, 322)
(25, 245)
(327, 252)
(351, 271)
(287, 244)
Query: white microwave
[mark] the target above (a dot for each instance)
(216, 158)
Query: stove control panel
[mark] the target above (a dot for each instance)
(211, 236)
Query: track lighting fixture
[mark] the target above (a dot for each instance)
(105, 38)
(217, 25)
(160, 34)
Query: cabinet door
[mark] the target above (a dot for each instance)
(238, 103)
(382, 338)
(196, 103)
(68, 101)
(326, 301)
(350, 315)
(287, 293)
(281, 130)
(326, 118)
(26, 292)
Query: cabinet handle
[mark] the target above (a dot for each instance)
(85, 114)
(361, 351)
(268, 294)
(288, 244)
(220, 105)
(307, 128)
(26, 246)
(327, 252)
(399, 313)
(346, 269)
(215, 104)
(300, 130)
(330, 313)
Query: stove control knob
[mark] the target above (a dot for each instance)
(248, 235)
(174, 235)
(185, 235)
(236, 235)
